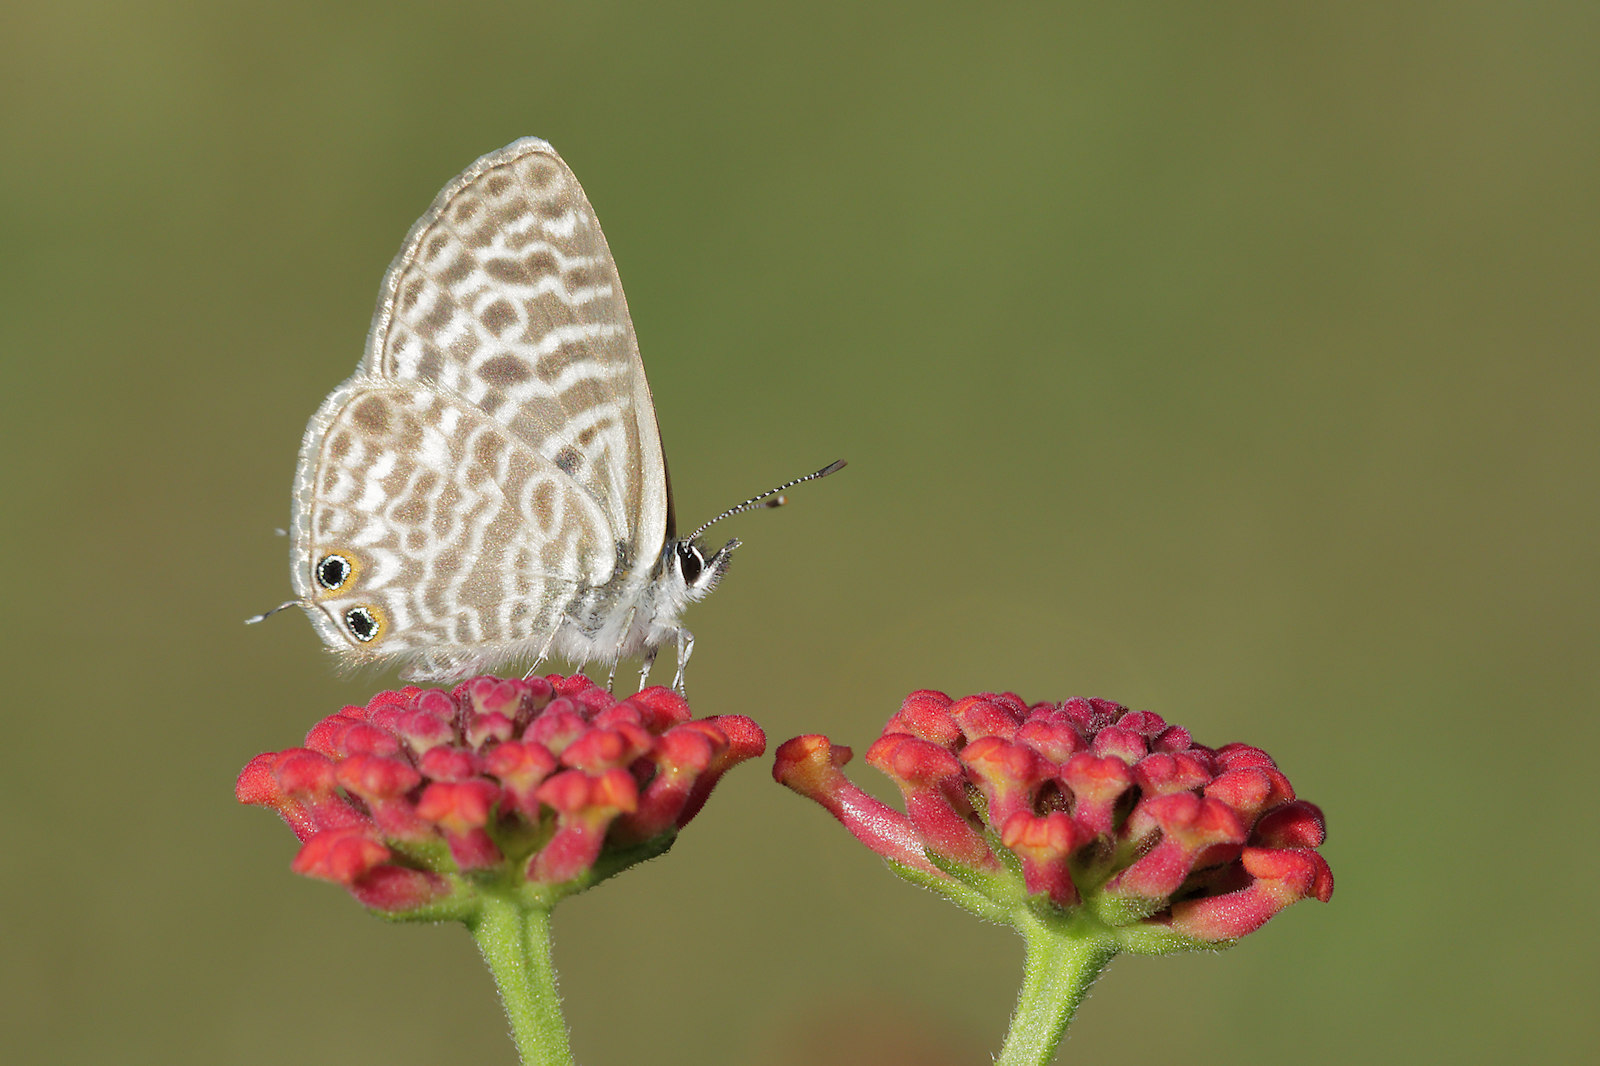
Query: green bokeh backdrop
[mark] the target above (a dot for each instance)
(1233, 360)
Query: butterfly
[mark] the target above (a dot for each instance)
(490, 486)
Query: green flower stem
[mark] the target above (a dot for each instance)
(1064, 958)
(515, 940)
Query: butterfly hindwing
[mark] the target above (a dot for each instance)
(423, 524)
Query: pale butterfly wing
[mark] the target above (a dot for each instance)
(426, 530)
(493, 471)
(505, 294)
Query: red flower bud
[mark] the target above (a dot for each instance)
(341, 855)
(985, 716)
(520, 766)
(926, 714)
(1008, 775)
(931, 780)
(1097, 786)
(584, 804)
(461, 809)
(1273, 879)
(744, 740)
(448, 763)
(681, 758)
(811, 765)
(1045, 844)
(398, 889)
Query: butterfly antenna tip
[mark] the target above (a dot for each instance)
(252, 620)
(770, 498)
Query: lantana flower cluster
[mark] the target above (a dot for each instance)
(1084, 810)
(542, 786)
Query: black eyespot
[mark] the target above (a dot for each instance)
(690, 562)
(333, 571)
(363, 623)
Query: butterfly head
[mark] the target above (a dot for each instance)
(697, 571)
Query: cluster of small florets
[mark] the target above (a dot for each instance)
(1083, 805)
(545, 784)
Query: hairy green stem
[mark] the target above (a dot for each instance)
(1063, 960)
(515, 940)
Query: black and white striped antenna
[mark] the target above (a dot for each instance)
(770, 498)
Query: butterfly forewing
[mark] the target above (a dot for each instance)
(505, 295)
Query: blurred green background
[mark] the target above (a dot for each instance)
(1236, 361)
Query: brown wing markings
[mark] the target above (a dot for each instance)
(435, 498)
(511, 251)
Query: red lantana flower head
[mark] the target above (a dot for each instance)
(541, 787)
(1083, 810)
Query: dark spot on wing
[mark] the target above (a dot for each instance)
(499, 316)
(411, 292)
(371, 414)
(553, 364)
(487, 449)
(504, 370)
(539, 173)
(544, 505)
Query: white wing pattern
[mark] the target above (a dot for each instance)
(493, 471)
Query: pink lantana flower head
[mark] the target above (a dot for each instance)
(1082, 812)
(542, 787)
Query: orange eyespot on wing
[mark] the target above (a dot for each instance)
(365, 623)
(335, 571)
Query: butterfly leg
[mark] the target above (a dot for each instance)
(544, 653)
(627, 627)
(685, 649)
(644, 668)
